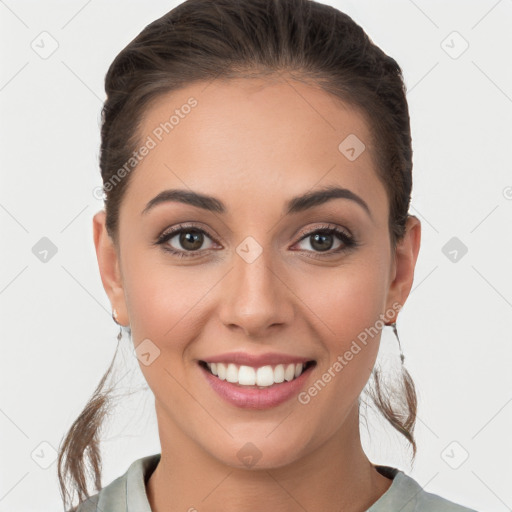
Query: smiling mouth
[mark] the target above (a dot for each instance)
(261, 377)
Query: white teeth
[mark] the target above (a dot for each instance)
(279, 373)
(289, 373)
(221, 371)
(232, 373)
(263, 376)
(246, 376)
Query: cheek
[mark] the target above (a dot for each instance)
(346, 305)
(349, 307)
(165, 302)
(346, 300)
(163, 299)
(165, 307)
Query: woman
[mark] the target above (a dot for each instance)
(256, 161)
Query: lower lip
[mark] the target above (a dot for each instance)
(255, 398)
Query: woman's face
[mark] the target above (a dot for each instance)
(255, 279)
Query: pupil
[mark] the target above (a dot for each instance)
(193, 237)
(318, 237)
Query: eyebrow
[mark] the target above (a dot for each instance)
(295, 205)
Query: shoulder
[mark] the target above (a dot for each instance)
(125, 492)
(429, 502)
(406, 494)
(113, 496)
(89, 505)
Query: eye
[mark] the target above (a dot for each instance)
(190, 238)
(322, 239)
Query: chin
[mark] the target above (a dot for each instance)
(259, 452)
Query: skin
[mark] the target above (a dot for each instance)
(254, 144)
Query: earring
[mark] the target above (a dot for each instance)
(114, 317)
(402, 357)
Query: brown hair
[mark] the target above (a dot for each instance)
(202, 40)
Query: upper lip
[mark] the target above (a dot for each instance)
(243, 358)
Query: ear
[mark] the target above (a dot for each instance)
(108, 262)
(404, 263)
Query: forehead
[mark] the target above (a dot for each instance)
(253, 139)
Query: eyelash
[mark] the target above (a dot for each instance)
(348, 241)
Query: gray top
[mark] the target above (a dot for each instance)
(127, 493)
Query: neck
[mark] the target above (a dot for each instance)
(338, 472)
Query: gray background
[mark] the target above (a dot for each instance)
(58, 336)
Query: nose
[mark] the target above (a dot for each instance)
(255, 298)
